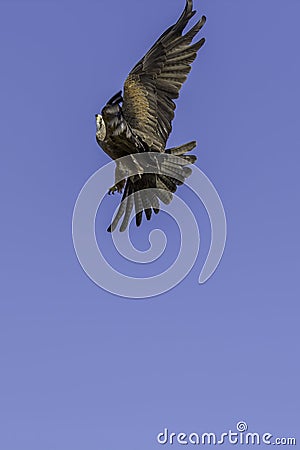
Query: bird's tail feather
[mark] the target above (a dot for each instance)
(150, 188)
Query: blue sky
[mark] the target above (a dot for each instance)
(81, 368)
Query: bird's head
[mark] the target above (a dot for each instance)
(100, 127)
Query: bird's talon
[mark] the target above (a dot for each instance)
(117, 187)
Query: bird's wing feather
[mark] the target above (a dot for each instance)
(156, 80)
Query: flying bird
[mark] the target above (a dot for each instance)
(139, 120)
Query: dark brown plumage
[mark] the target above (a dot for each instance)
(143, 122)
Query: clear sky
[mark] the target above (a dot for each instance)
(82, 368)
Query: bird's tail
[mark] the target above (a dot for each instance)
(150, 188)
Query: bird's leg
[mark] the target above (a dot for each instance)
(117, 187)
(120, 179)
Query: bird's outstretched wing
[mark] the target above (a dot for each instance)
(157, 78)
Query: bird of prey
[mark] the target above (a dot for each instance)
(139, 121)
